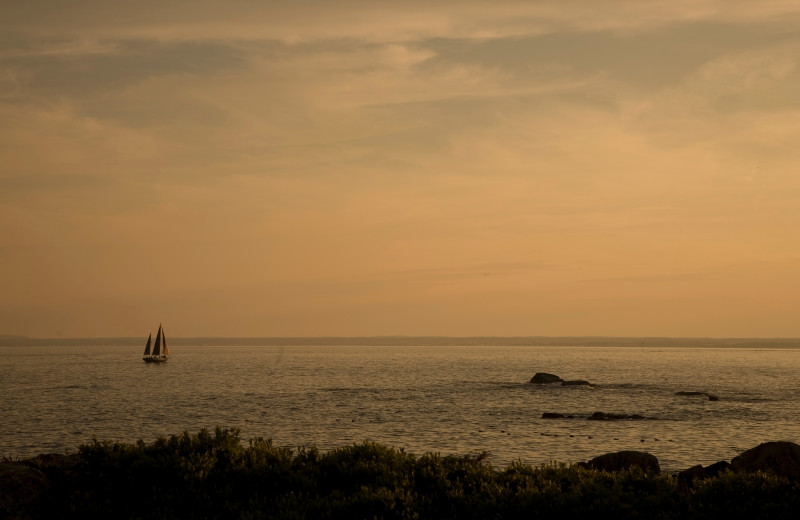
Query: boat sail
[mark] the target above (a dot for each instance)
(159, 354)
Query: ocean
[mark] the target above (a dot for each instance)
(453, 400)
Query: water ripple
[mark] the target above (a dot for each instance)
(451, 400)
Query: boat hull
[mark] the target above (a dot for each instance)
(155, 359)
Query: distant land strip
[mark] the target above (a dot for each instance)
(433, 341)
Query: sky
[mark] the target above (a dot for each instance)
(367, 168)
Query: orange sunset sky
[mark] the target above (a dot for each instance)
(307, 168)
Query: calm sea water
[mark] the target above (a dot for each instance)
(451, 400)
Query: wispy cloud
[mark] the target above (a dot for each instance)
(410, 20)
(406, 165)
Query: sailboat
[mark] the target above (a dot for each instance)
(160, 353)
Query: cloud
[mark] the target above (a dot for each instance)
(84, 69)
(377, 159)
(371, 21)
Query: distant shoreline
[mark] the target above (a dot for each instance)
(432, 341)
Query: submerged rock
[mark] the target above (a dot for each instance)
(623, 460)
(602, 416)
(554, 415)
(781, 458)
(543, 378)
(711, 397)
(576, 382)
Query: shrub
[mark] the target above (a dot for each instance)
(215, 475)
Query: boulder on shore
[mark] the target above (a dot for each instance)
(780, 458)
(688, 476)
(623, 460)
(21, 489)
(715, 469)
(543, 378)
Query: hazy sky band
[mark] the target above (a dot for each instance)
(362, 168)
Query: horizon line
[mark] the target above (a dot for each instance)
(413, 336)
(415, 341)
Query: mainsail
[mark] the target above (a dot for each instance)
(165, 350)
(157, 346)
(147, 347)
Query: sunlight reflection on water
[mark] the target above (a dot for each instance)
(452, 400)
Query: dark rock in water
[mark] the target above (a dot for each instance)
(711, 397)
(602, 416)
(623, 460)
(576, 382)
(21, 489)
(543, 378)
(780, 458)
(553, 415)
